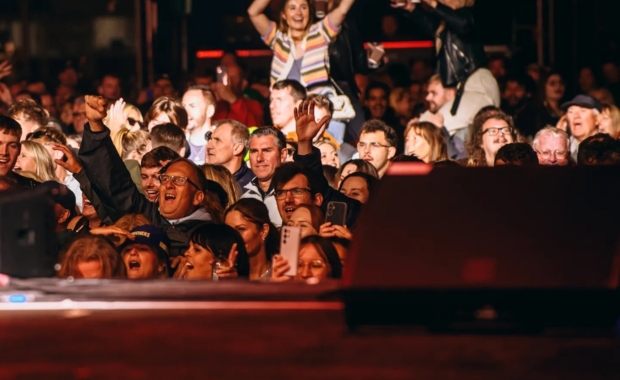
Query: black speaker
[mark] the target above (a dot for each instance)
(488, 249)
(28, 247)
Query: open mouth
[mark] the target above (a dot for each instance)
(170, 197)
(133, 264)
(290, 209)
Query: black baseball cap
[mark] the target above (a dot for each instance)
(585, 101)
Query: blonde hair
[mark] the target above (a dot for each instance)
(91, 248)
(614, 115)
(126, 142)
(222, 176)
(433, 136)
(44, 163)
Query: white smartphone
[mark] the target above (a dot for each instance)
(289, 247)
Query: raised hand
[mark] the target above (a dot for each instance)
(305, 124)
(279, 266)
(96, 111)
(230, 270)
(180, 264)
(5, 69)
(116, 117)
(69, 162)
(5, 94)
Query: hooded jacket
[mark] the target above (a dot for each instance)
(119, 196)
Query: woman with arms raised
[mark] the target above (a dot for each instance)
(300, 46)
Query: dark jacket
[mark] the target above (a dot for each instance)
(23, 181)
(461, 51)
(243, 176)
(347, 55)
(313, 162)
(112, 182)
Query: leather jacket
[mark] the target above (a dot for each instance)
(461, 51)
(347, 55)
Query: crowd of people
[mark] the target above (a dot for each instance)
(196, 184)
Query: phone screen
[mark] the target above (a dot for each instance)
(221, 75)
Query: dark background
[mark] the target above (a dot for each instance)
(585, 32)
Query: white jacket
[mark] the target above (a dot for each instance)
(252, 191)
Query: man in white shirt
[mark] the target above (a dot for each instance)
(199, 102)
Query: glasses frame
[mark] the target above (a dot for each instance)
(283, 192)
(173, 179)
(498, 130)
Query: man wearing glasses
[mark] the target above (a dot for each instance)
(181, 192)
(552, 146)
(492, 129)
(377, 145)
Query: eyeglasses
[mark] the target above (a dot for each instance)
(313, 264)
(547, 153)
(133, 122)
(177, 180)
(496, 131)
(372, 145)
(296, 192)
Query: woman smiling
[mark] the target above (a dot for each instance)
(300, 46)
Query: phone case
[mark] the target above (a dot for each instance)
(336, 213)
(289, 247)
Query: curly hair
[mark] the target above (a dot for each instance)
(474, 142)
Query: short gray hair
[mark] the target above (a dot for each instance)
(277, 134)
(553, 132)
(239, 132)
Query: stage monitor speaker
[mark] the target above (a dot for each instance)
(28, 247)
(487, 249)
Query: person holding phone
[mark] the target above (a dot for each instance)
(318, 258)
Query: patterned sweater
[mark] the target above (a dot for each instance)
(315, 62)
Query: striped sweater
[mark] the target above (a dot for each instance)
(315, 62)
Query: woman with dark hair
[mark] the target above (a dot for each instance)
(318, 258)
(91, 256)
(250, 218)
(353, 166)
(551, 94)
(358, 186)
(215, 251)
